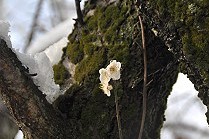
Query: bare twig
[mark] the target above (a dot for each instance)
(34, 24)
(54, 17)
(145, 80)
(118, 115)
(60, 8)
(57, 8)
(79, 12)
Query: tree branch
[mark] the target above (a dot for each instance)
(79, 12)
(34, 24)
(24, 100)
(145, 80)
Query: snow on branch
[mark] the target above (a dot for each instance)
(23, 98)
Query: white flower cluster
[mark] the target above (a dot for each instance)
(112, 71)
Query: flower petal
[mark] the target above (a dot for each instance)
(113, 69)
(104, 76)
(106, 88)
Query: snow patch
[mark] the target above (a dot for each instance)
(51, 37)
(4, 32)
(19, 135)
(185, 108)
(38, 63)
(54, 52)
(44, 79)
(61, 30)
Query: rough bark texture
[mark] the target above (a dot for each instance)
(184, 26)
(112, 31)
(34, 115)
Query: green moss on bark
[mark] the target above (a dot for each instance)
(60, 73)
(75, 52)
(90, 65)
(187, 22)
(112, 33)
(191, 19)
(102, 38)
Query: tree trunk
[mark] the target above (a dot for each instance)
(111, 31)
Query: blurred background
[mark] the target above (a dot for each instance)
(37, 24)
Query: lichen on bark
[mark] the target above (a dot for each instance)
(184, 27)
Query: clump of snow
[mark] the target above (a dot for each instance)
(54, 52)
(61, 30)
(51, 37)
(19, 135)
(41, 63)
(43, 53)
(44, 79)
(38, 63)
(4, 32)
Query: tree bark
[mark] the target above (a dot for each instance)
(34, 115)
(112, 32)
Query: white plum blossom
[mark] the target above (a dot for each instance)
(113, 69)
(106, 88)
(104, 76)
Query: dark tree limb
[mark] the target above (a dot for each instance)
(79, 12)
(25, 101)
